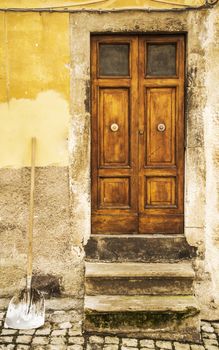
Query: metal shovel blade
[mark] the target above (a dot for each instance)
(26, 310)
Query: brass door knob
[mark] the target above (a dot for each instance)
(161, 127)
(114, 127)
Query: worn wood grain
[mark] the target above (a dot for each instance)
(137, 169)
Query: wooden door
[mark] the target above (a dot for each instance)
(137, 134)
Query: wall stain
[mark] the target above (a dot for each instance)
(50, 285)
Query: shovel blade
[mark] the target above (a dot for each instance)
(24, 312)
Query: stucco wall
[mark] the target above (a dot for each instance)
(211, 118)
(102, 4)
(53, 103)
(35, 101)
(35, 89)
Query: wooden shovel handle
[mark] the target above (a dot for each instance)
(31, 213)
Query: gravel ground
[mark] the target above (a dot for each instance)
(62, 330)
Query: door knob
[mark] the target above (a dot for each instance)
(114, 127)
(161, 127)
(141, 132)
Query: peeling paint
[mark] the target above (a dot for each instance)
(47, 118)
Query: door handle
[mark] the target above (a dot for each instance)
(161, 127)
(114, 127)
(141, 132)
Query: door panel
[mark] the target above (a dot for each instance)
(160, 224)
(161, 143)
(114, 192)
(114, 224)
(114, 135)
(114, 124)
(137, 134)
(160, 192)
(160, 125)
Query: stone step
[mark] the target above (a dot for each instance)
(139, 278)
(159, 317)
(139, 248)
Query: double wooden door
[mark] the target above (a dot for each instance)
(137, 133)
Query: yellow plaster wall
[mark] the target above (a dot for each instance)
(34, 87)
(100, 4)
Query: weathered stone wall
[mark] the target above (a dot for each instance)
(57, 265)
(62, 210)
(211, 126)
(198, 67)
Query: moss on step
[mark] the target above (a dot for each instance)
(136, 319)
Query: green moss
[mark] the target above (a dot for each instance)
(134, 319)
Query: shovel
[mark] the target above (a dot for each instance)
(26, 310)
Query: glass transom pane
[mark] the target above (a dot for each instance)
(114, 60)
(161, 59)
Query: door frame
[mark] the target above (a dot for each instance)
(134, 22)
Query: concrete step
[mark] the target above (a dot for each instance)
(159, 317)
(139, 278)
(139, 248)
